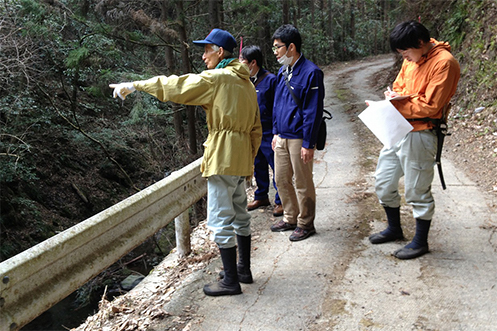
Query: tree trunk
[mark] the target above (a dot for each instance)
(322, 16)
(215, 13)
(296, 16)
(177, 116)
(344, 30)
(330, 19)
(85, 8)
(386, 25)
(264, 33)
(286, 11)
(352, 20)
(312, 4)
(172, 67)
(186, 68)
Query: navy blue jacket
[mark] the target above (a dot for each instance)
(265, 97)
(289, 120)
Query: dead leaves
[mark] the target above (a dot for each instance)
(138, 309)
(360, 193)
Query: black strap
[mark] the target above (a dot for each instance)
(297, 100)
(435, 121)
(328, 115)
(441, 133)
(441, 130)
(259, 79)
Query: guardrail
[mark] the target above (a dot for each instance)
(38, 278)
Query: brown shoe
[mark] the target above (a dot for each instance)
(258, 203)
(278, 210)
(282, 226)
(301, 234)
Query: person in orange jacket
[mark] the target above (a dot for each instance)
(429, 76)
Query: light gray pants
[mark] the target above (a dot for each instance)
(227, 209)
(414, 158)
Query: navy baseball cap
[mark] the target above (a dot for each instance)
(220, 38)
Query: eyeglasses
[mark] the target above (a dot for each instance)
(276, 47)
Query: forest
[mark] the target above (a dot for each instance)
(68, 150)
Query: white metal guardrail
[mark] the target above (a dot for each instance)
(36, 279)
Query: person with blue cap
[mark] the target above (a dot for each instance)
(229, 100)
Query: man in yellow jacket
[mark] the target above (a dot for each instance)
(429, 76)
(229, 99)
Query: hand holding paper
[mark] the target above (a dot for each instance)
(385, 121)
(389, 94)
(392, 95)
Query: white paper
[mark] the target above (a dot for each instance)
(385, 121)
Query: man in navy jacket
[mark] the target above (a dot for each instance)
(297, 114)
(265, 84)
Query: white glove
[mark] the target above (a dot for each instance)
(122, 90)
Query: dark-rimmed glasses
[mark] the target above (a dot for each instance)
(276, 47)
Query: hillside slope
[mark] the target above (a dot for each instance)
(473, 144)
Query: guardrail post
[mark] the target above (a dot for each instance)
(183, 230)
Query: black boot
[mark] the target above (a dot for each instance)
(243, 266)
(229, 285)
(393, 231)
(419, 244)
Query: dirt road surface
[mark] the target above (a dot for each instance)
(337, 280)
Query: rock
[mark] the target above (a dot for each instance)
(131, 281)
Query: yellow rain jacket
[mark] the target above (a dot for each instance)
(230, 103)
(433, 81)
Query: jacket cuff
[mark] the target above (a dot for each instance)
(308, 145)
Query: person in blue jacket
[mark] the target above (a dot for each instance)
(265, 84)
(297, 115)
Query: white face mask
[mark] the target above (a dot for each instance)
(285, 60)
(252, 71)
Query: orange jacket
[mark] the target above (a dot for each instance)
(432, 80)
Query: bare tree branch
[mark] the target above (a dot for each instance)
(104, 148)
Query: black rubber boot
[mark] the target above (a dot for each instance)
(229, 285)
(419, 244)
(243, 266)
(393, 231)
